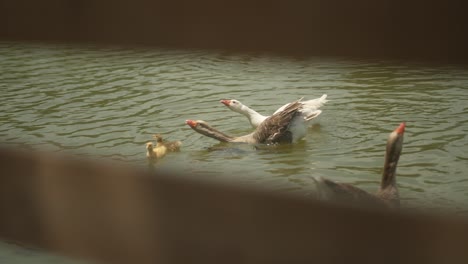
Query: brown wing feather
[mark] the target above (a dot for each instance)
(275, 128)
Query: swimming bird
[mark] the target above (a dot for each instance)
(154, 153)
(275, 129)
(387, 195)
(171, 145)
(309, 107)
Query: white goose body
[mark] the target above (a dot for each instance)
(299, 124)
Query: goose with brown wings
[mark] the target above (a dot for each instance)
(275, 129)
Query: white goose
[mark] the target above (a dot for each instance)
(309, 107)
(278, 128)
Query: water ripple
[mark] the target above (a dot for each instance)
(109, 101)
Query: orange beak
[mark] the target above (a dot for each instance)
(226, 102)
(401, 128)
(191, 123)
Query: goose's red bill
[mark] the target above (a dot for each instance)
(401, 128)
(191, 123)
(226, 102)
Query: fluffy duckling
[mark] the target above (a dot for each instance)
(171, 146)
(154, 153)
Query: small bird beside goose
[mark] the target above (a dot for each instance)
(309, 107)
(171, 145)
(387, 194)
(277, 128)
(154, 153)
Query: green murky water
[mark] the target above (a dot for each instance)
(107, 102)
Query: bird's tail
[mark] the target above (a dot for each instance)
(315, 103)
(312, 115)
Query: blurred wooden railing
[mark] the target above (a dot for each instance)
(431, 31)
(116, 214)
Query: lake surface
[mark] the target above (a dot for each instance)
(107, 102)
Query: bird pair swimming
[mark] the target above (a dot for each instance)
(289, 124)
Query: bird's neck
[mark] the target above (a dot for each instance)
(251, 114)
(218, 135)
(392, 156)
(388, 177)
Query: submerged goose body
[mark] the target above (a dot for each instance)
(274, 129)
(387, 194)
(309, 107)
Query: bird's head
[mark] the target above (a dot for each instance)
(233, 104)
(149, 146)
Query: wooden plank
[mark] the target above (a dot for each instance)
(432, 31)
(117, 214)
